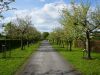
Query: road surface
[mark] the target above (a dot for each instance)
(47, 62)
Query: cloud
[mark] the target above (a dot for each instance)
(45, 18)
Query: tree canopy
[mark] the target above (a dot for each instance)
(78, 23)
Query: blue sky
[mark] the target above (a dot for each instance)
(30, 4)
(44, 13)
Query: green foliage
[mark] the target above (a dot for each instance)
(58, 36)
(96, 35)
(78, 23)
(22, 29)
(11, 30)
(45, 35)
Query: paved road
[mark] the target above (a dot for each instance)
(47, 62)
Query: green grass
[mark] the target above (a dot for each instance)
(86, 67)
(9, 66)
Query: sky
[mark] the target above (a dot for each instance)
(44, 13)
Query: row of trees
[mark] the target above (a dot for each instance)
(79, 22)
(22, 29)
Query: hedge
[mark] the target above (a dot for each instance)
(11, 44)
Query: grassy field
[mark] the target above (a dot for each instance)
(86, 67)
(9, 66)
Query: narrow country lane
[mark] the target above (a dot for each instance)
(47, 62)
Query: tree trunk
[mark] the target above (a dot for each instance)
(88, 44)
(60, 43)
(63, 44)
(67, 44)
(52, 40)
(22, 43)
(57, 42)
(27, 43)
(70, 45)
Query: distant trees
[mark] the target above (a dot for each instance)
(61, 38)
(96, 35)
(45, 35)
(57, 36)
(22, 29)
(79, 22)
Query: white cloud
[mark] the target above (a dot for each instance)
(45, 18)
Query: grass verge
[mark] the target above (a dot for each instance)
(9, 66)
(86, 67)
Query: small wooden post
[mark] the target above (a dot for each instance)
(3, 51)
